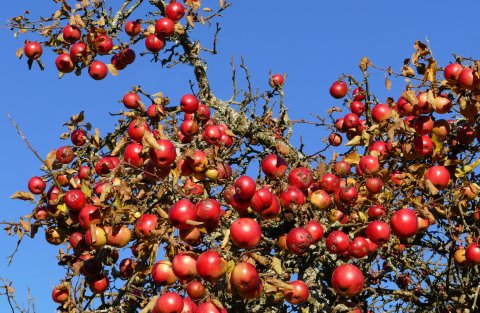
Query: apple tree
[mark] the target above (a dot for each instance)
(216, 207)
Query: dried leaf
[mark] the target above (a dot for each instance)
(25, 225)
(410, 96)
(355, 141)
(112, 69)
(431, 71)
(277, 265)
(78, 21)
(364, 64)
(19, 53)
(51, 157)
(352, 158)
(433, 190)
(179, 29)
(23, 195)
(101, 21)
(388, 83)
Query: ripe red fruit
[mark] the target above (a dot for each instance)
(211, 266)
(276, 80)
(315, 229)
(196, 290)
(153, 43)
(423, 125)
(71, 33)
(203, 112)
(169, 302)
(467, 79)
(175, 11)
(348, 195)
(404, 223)
(472, 254)
(189, 104)
(358, 94)
(245, 277)
(298, 293)
(78, 137)
(358, 248)
(212, 135)
(64, 63)
(145, 224)
(245, 187)
(452, 71)
(376, 211)
(118, 235)
(106, 164)
(272, 211)
(99, 284)
(208, 211)
(438, 175)
(131, 100)
(137, 128)
(351, 120)
(133, 155)
(274, 166)
(374, 184)
(335, 139)
(75, 199)
(98, 70)
(261, 200)
(33, 50)
(165, 27)
(337, 242)
(320, 199)
(347, 280)
(378, 232)
(330, 182)
(89, 215)
(165, 154)
(36, 185)
(207, 307)
(299, 240)
(369, 165)
(245, 233)
(338, 89)
(132, 28)
(357, 108)
(423, 145)
(181, 212)
(60, 293)
(381, 112)
(162, 273)
(103, 44)
(78, 51)
(301, 177)
(292, 198)
(64, 155)
(184, 265)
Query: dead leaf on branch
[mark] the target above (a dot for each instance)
(23, 195)
(364, 64)
(421, 51)
(388, 83)
(410, 96)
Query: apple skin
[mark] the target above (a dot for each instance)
(347, 280)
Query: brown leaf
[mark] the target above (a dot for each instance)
(410, 96)
(334, 109)
(388, 83)
(19, 53)
(352, 158)
(101, 21)
(25, 225)
(355, 141)
(277, 265)
(431, 71)
(433, 190)
(207, 10)
(23, 195)
(421, 51)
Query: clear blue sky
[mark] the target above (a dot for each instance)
(314, 42)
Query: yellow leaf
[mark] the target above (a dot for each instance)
(112, 69)
(352, 158)
(364, 64)
(277, 265)
(355, 141)
(460, 172)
